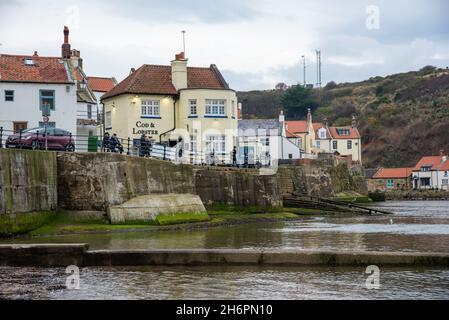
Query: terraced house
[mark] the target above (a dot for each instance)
(30, 82)
(316, 138)
(190, 108)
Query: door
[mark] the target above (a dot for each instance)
(17, 126)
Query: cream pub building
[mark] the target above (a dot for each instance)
(176, 103)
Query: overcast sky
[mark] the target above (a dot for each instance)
(255, 43)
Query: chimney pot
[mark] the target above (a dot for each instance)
(35, 54)
(180, 56)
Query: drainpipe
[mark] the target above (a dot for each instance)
(174, 121)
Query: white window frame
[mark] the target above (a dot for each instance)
(215, 108)
(150, 109)
(322, 134)
(193, 108)
(108, 120)
(216, 143)
(349, 145)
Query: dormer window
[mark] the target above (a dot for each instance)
(343, 132)
(322, 134)
(29, 62)
(426, 168)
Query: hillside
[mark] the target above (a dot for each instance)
(401, 117)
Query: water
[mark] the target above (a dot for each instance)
(416, 226)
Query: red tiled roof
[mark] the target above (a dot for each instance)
(388, 173)
(44, 70)
(353, 133)
(153, 79)
(445, 166)
(100, 84)
(432, 162)
(295, 127)
(318, 126)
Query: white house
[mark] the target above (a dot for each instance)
(264, 142)
(29, 82)
(431, 173)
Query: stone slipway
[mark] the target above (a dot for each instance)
(57, 255)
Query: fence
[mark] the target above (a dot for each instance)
(38, 140)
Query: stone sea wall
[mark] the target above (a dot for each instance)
(98, 181)
(33, 181)
(28, 181)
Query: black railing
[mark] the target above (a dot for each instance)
(127, 146)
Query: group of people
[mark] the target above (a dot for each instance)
(112, 144)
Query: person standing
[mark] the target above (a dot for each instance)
(234, 156)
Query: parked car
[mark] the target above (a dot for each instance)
(57, 139)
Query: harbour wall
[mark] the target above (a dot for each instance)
(33, 181)
(81, 256)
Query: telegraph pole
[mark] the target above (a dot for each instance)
(304, 70)
(184, 41)
(318, 64)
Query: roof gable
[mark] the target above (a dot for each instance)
(432, 162)
(155, 79)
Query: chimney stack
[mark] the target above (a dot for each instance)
(66, 50)
(179, 71)
(309, 115)
(281, 116)
(354, 121)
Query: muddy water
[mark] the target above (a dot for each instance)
(416, 226)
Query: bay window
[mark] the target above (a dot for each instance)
(215, 108)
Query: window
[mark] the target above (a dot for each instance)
(47, 97)
(349, 144)
(193, 108)
(19, 126)
(318, 144)
(426, 169)
(390, 183)
(335, 145)
(150, 108)
(445, 182)
(215, 108)
(265, 142)
(343, 132)
(49, 124)
(233, 108)
(29, 62)
(89, 111)
(322, 134)
(108, 122)
(9, 95)
(216, 144)
(445, 173)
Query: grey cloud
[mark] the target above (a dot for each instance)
(181, 11)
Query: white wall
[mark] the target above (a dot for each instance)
(25, 107)
(443, 176)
